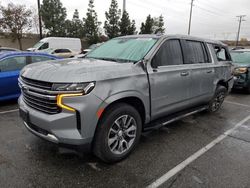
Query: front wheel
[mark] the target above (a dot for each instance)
(117, 133)
(218, 99)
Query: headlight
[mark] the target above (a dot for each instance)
(71, 90)
(84, 88)
(240, 70)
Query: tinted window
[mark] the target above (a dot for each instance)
(170, 53)
(44, 46)
(40, 58)
(196, 52)
(62, 51)
(12, 64)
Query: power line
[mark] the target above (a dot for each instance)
(190, 16)
(241, 19)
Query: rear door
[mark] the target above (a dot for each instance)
(202, 71)
(170, 80)
(9, 72)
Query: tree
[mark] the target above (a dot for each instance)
(159, 25)
(153, 25)
(74, 27)
(111, 25)
(125, 25)
(15, 19)
(91, 24)
(54, 15)
(147, 27)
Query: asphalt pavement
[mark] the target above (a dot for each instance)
(28, 161)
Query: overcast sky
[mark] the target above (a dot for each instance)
(215, 19)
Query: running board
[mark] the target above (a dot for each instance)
(173, 117)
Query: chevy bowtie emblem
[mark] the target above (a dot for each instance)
(24, 88)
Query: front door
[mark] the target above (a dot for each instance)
(170, 80)
(9, 72)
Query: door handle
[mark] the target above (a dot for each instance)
(184, 73)
(209, 71)
(155, 70)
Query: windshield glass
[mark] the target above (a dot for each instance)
(37, 45)
(123, 49)
(241, 57)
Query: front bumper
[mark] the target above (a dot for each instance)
(63, 128)
(240, 81)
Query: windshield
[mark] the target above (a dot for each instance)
(241, 57)
(37, 45)
(123, 49)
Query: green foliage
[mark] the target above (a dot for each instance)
(159, 25)
(126, 26)
(74, 27)
(111, 25)
(147, 27)
(153, 25)
(15, 19)
(91, 24)
(54, 15)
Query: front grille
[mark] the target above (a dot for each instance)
(39, 95)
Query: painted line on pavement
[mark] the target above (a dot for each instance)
(236, 103)
(196, 155)
(8, 111)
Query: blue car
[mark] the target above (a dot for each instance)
(10, 65)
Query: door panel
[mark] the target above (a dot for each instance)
(8, 84)
(10, 68)
(202, 71)
(203, 76)
(170, 90)
(170, 80)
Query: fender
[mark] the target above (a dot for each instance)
(131, 93)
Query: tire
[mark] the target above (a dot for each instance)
(248, 90)
(114, 141)
(217, 100)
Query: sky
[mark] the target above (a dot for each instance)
(213, 19)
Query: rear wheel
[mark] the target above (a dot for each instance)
(117, 133)
(218, 99)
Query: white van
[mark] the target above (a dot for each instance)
(53, 43)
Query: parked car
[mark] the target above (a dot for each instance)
(92, 47)
(7, 49)
(10, 65)
(53, 43)
(128, 85)
(64, 53)
(241, 59)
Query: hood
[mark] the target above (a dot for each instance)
(78, 70)
(236, 65)
(31, 49)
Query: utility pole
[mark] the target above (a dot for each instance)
(39, 18)
(124, 6)
(241, 19)
(190, 17)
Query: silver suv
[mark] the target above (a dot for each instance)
(128, 85)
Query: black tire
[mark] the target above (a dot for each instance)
(217, 100)
(248, 90)
(102, 147)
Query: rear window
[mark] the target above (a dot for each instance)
(196, 52)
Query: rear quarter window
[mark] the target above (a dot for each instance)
(196, 52)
